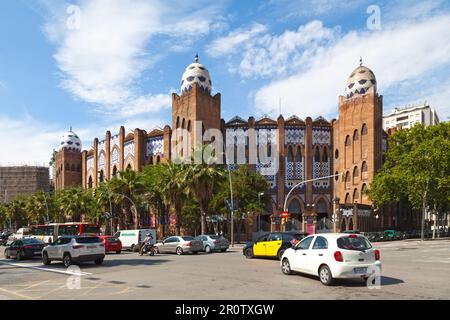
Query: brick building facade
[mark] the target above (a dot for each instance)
(351, 146)
(22, 181)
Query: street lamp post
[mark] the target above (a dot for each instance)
(259, 206)
(336, 211)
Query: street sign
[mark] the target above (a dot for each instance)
(285, 214)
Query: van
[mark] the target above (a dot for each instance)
(132, 239)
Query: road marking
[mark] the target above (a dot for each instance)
(38, 267)
(16, 294)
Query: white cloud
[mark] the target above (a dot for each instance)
(102, 60)
(397, 54)
(233, 41)
(26, 141)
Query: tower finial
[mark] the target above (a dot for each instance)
(360, 61)
(196, 58)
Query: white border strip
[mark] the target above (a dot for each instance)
(45, 269)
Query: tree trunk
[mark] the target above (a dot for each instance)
(203, 220)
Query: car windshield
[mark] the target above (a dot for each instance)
(215, 237)
(32, 241)
(88, 240)
(187, 238)
(354, 243)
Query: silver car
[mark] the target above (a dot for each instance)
(213, 243)
(179, 245)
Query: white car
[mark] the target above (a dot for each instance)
(74, 249)
(332, 256)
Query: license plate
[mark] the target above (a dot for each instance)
(360, 270)
(37, 252)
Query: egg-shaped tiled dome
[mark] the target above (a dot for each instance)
(196, 73)
(360, 81)
(70, 141)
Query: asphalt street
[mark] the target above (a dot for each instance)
(411, 270)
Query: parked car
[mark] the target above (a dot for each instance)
(112, 244)
(179, 245)
(74, 249)
(24, 248)
(213, 243)
(272, 244)
(132, 239)
(332, 256)
(4, 238)
(390, 235)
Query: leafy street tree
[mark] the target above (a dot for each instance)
(247, 184)
(417, 168)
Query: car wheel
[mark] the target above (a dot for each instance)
(133, 248)
(98, 261)
(280, 254)
(67, 260)
(45, 260)
(208, 249)
(249, 253)
(325, 276)
(286, 267)
(179, 251)
(118, 252)
(7, 254)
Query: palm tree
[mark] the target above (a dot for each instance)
(151, 178)
(129, 186)
(202, 180)
(173, 188)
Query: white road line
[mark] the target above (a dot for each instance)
(38, 267)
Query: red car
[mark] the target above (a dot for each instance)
(112, 244)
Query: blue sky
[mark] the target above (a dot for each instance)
(99, 64)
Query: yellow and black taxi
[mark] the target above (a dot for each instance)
(272, 245)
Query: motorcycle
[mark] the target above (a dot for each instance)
(147, 248)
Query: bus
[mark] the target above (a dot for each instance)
(50, 232)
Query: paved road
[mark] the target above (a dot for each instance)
(411, 270)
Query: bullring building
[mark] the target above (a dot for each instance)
(350, 146)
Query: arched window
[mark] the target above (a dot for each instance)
(348, 198)
(298, 155)
(295, 210)
(102, 176)
(183, 123)
(348, 180)
(178, 122)
(189, 126)
(364, 197)
(364, 144)
(355, 146)
(317, 155)
(67, 166)
(73, 168)
(325, 155)
(355, 196)
(129, 167)
(90, 183)
(158, 160)
(114, 173)
(364, 171)
(336, 154)
(290, 155)
(355, 175)
(347, 155)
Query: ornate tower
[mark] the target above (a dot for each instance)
(195, 111)
(358, 142)
(68, 166)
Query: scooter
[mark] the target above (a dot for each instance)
(147, 248)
